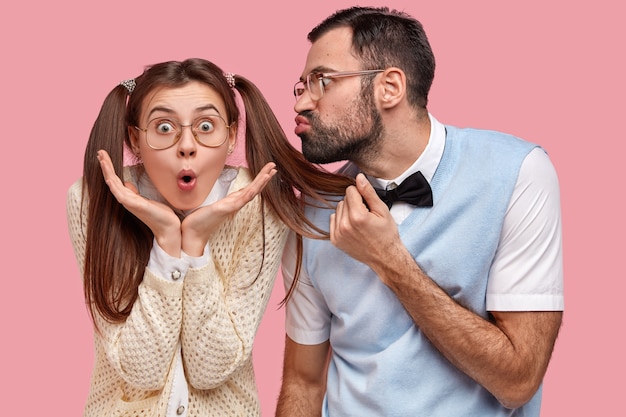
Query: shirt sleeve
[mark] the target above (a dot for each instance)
(307, 318)
(527, 272)
(166, 266)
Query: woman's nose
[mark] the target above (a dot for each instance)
(187, 144)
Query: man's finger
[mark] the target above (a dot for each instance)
(369, 195)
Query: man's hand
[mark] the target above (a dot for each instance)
(364, 234)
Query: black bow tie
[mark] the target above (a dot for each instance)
(413, 190)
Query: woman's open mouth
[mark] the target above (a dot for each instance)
(186, 180)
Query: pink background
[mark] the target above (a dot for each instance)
(549, 71)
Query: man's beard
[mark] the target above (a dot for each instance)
(348, 140)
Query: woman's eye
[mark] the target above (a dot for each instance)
(325, 81)
(165, 127)
(205, 126)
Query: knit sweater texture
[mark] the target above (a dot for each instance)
(211, 317)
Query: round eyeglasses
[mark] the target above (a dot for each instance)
(162, 132)
(315, 82)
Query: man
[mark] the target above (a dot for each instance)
(447, 305)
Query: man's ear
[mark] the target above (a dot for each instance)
(392, 87)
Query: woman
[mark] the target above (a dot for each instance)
(179, 260)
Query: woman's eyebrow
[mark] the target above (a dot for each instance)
(207, 107)
(160, 109)
(170, 111)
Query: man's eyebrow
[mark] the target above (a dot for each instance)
(317, 70)
(322, 69)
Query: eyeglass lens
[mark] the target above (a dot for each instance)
(210, 131)
(313, 84)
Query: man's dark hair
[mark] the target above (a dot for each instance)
(383, 38)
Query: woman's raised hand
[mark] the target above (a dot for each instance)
(160, 218)
(197, 226)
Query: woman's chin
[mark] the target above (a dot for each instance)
(186, 205)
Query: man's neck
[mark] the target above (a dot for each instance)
(402, 145)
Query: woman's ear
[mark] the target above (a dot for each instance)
(133, 135)
(392, 87)
(232, 138)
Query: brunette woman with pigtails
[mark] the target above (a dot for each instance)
(179, 251)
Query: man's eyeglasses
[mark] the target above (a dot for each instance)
(210, 131)
(316, 81)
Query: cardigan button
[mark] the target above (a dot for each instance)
(176, 275)
(180, 410)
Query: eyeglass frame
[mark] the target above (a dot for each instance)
(182, 126)
(330, 75)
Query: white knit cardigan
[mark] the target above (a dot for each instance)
(212, 316)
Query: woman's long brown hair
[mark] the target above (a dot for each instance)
(118, 244)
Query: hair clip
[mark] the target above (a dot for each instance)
(129, 84)
(230, 78)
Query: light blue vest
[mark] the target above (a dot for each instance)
(382, 365)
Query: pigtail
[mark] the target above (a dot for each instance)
(107, 132)
(117, 242)
(298, 182)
